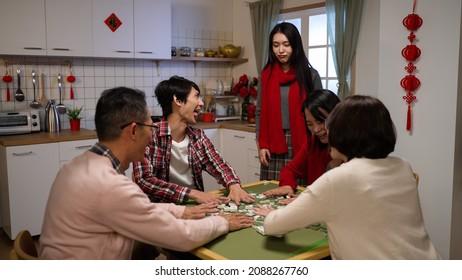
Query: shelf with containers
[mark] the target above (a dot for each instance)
(225, 107)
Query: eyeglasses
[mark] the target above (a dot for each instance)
(142, 124)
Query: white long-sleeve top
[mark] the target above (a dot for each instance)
(95, 213)
(371, 208)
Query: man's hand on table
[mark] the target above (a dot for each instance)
(206, 197)
(199, 211)
(281, 191)
(237, 221)
(238, 195)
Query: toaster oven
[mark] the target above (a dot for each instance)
(18, 122)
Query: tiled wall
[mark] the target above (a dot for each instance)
(95, 75)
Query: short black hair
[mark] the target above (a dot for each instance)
(175, 86)
(117, 107)
(361, 127)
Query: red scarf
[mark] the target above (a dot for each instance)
(271, 134)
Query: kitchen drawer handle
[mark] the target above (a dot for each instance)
(33, 48)
(146, 52)
(256, 174)
(61, 49)
(30, 153)
(123, 51)
(238, 136)
(84, 147)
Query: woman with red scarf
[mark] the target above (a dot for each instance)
(286, 80)
(314, 158)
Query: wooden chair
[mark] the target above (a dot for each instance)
(24, 247)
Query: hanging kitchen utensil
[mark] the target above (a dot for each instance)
(34, 104)
(71, 79)
(7, 79)
(19, 95)
(60, 106)
(43, 99)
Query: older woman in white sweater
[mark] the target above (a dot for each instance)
(370, 203)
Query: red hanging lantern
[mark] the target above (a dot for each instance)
(413, 21)
(71, 80)
(7, 79)
(410, 83)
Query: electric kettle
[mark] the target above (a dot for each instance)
(52, 123)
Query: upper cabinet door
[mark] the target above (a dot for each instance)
(113, 28)
(22, 27)
(69, 27)
(153, 21)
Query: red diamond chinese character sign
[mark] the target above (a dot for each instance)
(113, 22)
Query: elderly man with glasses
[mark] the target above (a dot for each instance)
(95, 212)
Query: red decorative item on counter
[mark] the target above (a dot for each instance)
(410, 83)
(71, 79)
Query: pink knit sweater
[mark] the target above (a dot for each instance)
(95, 213)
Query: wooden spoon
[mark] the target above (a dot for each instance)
(43, 99)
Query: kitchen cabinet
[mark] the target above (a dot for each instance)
(70, 149)
(239, 149)
(69, 28)
(253, 161)
(143, 29)
(118, 41)
(22, 27)
(210, 183)
(27, 173)
(152, 29)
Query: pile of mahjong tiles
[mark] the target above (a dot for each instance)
(246, 208)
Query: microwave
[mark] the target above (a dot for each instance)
(18, 122)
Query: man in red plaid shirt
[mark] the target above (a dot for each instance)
(178, 153)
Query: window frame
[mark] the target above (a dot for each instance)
(304, 12)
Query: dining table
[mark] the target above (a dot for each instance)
(309, 243)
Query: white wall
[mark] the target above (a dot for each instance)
(430, 146)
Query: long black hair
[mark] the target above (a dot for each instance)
(298, 58)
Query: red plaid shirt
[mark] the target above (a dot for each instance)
(153, 173)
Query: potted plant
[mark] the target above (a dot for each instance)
(74, 117)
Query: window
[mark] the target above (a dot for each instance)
(312, 25)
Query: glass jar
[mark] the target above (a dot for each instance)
(199, 52)
(185, 51)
